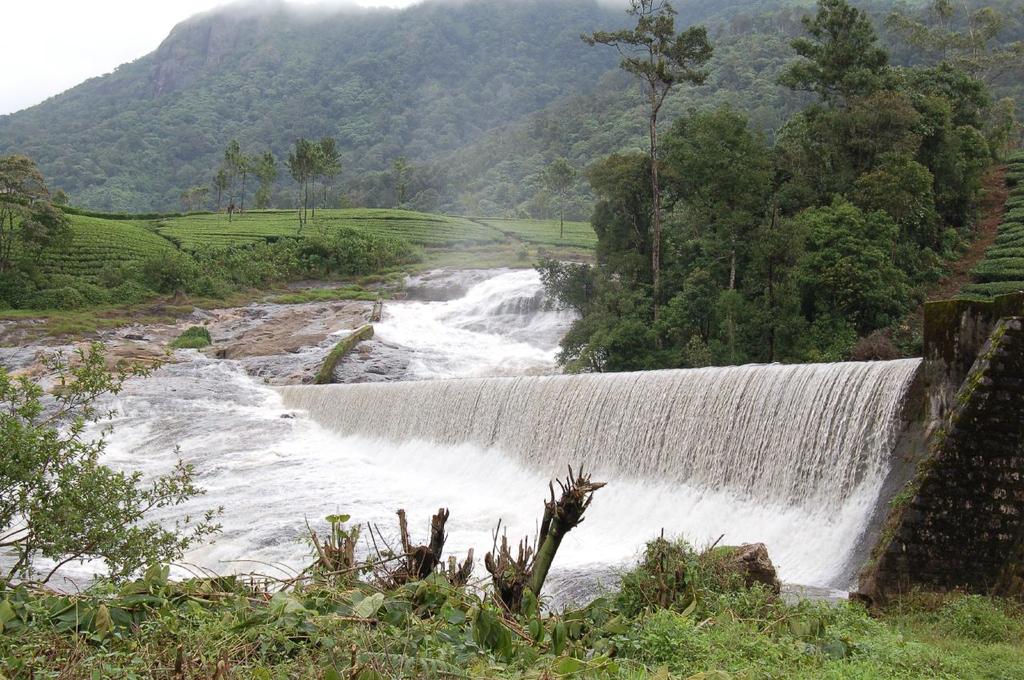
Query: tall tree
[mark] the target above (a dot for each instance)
(400, 175)
(559, 177)
(840, 55)
(232, 162)
(28, 219)
(266, 172)
(966, 37)
(330, 164)
(719, 171)
(245, 166)
(660, 58)
(221, 183)
(302, 164)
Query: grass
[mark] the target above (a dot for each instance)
(545, 232)
(193, 232)
(329, 295)
(195, 337)
(85, 322)
(97, 243)
(341, 627)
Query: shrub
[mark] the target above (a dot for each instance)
(63, 298)
(59, 502)
(169, 272)
(195, 337)
(875, 347)
(130, 293)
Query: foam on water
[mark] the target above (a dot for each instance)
(499, 327)
(793, 456)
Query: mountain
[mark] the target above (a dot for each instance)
(478, 96)
(417, 83)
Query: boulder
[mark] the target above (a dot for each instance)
(752, 561)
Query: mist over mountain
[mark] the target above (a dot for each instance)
(477, 94)
(416, 82)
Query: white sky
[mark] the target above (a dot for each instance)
(52, 45)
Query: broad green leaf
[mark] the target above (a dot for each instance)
(559, 635)
(102, 623)
(6, 613)
(369, 606)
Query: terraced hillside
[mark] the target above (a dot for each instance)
(546, 232)
(1002, 270)
(96, 243)
(193, 232)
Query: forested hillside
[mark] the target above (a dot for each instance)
(415, 83)
(478, 97)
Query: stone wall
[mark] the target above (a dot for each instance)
(960, 522)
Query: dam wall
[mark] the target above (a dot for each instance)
(959, 522)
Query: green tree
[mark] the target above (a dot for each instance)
(232, 163)
(559, 177)
(400, 176)
(29, 221)
(660, 58)
(902, 188)
(840, 57)
(221, 183)
(848, 274)
(57, 501)
(302, 163)
(266, 172)
(329, 164)
(968, 38)
(719, 172)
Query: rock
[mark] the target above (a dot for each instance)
(751, 560)
(136, 336)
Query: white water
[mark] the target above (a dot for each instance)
(794, 456)
(499, 327)
(791, 456)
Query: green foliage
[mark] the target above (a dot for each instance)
(197, 232)
(432, 629)
(58, 502)
(195, 337)
(29, 221)
(841, 57)
(1002, 270)
(790, 248)
(848, 272)
(978, 618)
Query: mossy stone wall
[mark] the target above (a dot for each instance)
(960, 522)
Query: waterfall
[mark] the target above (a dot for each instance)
(804, 435)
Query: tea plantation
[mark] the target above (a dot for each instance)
(1002, 270)
(545, 232)
(95, 243)
(193, 232)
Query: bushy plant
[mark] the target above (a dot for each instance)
(169, 272)
(58, 501)
(195, 337)
(63, 298)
